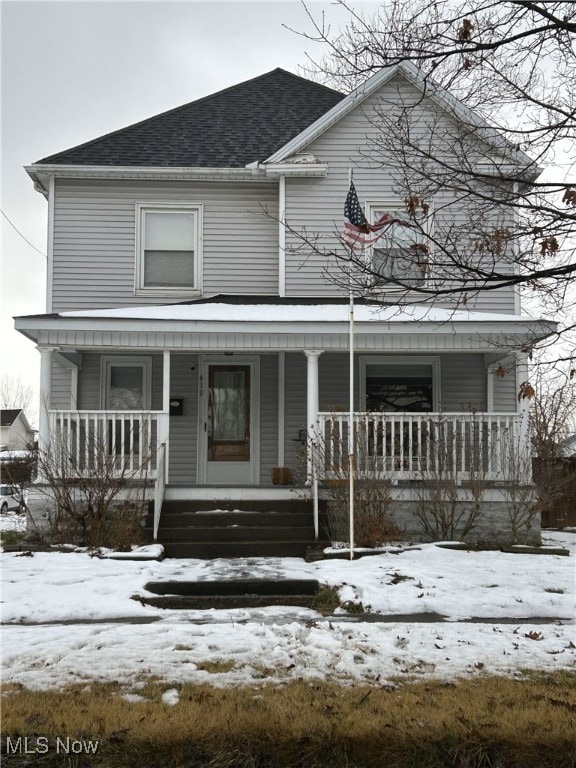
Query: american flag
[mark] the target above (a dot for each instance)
(358, 232)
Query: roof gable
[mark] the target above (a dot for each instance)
(231, 128)
(8, 416)
(427, 86)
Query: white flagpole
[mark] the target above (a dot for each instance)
(351, 430)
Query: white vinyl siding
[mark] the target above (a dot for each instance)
(184, 428)
(268, 417)
(61, 394)
(506, 393)
(316, 204)
(95, 239)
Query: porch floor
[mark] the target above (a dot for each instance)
(183, 492)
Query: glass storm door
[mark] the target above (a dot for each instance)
(229, 444)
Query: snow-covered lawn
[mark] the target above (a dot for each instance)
(12, 522)
(280, 643)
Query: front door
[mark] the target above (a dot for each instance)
(229, 425)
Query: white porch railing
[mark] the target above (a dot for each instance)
(410, 446)
(127, 441)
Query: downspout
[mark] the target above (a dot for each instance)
(282, 236)
(50, 247)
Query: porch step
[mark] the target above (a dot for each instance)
(228, 519)
(230, 593)
(209, 550)
(235, 587)
(231, 532)
(191, 529)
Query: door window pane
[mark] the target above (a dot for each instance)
(229, 413)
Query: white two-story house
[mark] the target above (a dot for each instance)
(188, 322)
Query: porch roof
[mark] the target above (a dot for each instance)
(269, 322)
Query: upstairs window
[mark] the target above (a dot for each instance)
(168, 249)
(401, 253)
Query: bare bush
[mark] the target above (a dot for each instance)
(457, 456)
(522, 505)
(373, 519)
(97, 504)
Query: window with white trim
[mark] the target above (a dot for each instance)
(401, 252)
(126, 383)
(168, 248)
(401, 384)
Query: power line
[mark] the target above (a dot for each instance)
(15, 228)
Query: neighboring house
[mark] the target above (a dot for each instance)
(183, 311)
(16, 434)
(567, 447)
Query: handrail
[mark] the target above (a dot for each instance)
(159, 487)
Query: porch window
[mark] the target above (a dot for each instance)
(401, 252)
(125, 386)
(126, 383)
(168, 249)
(401, 385)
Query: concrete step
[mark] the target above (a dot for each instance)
(231, 593)
(208, 550)
(207, 602)
(226, 519)
(235, 587)
(236, 533)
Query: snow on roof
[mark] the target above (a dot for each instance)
(297, 312)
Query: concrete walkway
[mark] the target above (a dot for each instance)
(180, 617)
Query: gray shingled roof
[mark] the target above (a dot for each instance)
(231, 128)
(9, 416)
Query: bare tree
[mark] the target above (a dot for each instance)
(553, 418)
(15, 394)
(483, 215)
(553, 413)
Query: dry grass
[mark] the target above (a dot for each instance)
(485, 723)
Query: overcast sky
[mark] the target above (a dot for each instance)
(72, 71)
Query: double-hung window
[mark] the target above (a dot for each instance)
(126, 383)
(401, 253)
(168, 248)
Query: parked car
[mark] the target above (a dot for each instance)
(11, 499)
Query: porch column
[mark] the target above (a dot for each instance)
(312, 401)
(45, 398)
(164, 435)
(524, 443)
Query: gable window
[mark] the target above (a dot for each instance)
(401, 253)
(168, 247)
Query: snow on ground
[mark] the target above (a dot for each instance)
(13, 522)
(279, 643)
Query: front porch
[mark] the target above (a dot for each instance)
(406, 451)
(225, 393)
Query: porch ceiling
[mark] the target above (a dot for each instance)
(272, 324)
